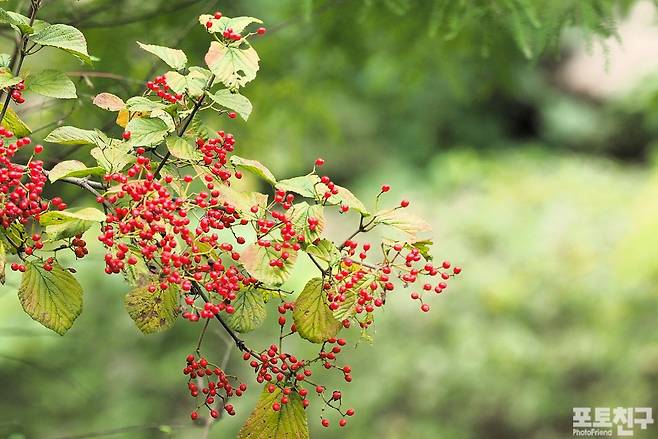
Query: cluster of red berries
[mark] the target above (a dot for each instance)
(16, 92)
(216, 387)
(160, 87)
(21, 187)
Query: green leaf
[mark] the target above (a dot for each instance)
(256, 260)
(402, 221)
(15, 124)
(264, 423)
(63, 216)
(174, 58)
(249, 311)
(299, 216)
(141, 103)
(7, 79)
(197, 80)
(3, 262)
(147, 131)
(233, 66)
(16, 20)
(68, 229)
(325, 250)
(12, 236)
(114, 157)
(68, 135)
(424, 247)
(72, 168)
(64, 37)
(194, 82)
(304, 185)
(51, 83)
(309, 186)
(152, 312)
(183, 148)
(255, 167)
(5, 60)
(109, 102)
(232, 101)
(53, 298)
(314, 320)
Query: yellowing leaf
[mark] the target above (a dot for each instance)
(256, 260)
(290, 422)
(109, 102)
(314, 320)
(53, 298)
(152, 312)
(301, 212)
(233, 66)
(15, 124)
(402, 221)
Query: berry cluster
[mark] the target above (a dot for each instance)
(160, 87)
(209, 382)
(16, 93)
(21, 187)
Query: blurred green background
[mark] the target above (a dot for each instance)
(529, 144)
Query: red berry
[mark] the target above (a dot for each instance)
(385, 188)
(325, 422)
(261, 31)
(126, 135)
(425, 307)
(404, 203)
(232, 115)
(194, 416)
(319, 162)
(38, 149)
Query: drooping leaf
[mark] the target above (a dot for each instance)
(63, 216)
(249, 311)
(174, 58)
(325, 250)
(183, 148)
(233, 66)
(109, 102)
(256, 260)
(64, 37)
(72, 168)
(15, 124)
(290, 422)
(232, 101)
(53, 298)
(51, 83)
(255, 167)
(147, 132)
(68, 135)
(313, 317)
(16, 20)
(301, 212)
(152, 312)
(7, 79)
(402, 221)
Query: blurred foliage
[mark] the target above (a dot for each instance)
(556, 305)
